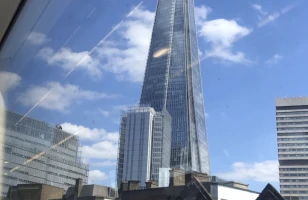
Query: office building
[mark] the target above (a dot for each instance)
(292, 134)
(172, 81)
(39, 153)
(144, 144)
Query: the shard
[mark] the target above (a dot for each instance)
(173, 81)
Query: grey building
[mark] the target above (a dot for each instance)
(34, 192)
(76, 192)
(292, 136)
(89, 192)
(161, 143)
(193, 186)
(39, 153)
(172, 81)
(144, 144)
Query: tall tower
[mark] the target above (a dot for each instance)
(173, 81)
(292, 137)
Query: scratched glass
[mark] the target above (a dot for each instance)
(198, 99)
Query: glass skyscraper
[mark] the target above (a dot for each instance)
(34, 151)
(173, 81)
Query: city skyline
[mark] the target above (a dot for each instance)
(262, 58)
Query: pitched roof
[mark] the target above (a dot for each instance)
(270, 193)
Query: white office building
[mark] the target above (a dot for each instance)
(144, 144)
(292, 136)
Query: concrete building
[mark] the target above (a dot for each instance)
(292, 136)
(89, 192)
(39, 153)
(77, 192)
(34, 192)
(195, 187)
(144, 144)
(192, 185)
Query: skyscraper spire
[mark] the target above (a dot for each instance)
(173, 81)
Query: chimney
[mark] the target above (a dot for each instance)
(177, 177)
(124, 187)
(133, 185)
(151, 184)
(77, 188)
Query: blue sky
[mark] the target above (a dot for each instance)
(90, 58)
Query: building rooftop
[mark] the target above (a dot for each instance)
(293, 101)
(92, 190)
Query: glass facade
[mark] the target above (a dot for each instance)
(161, 143)
(121, 143)
(173, 81)
(138, 143)
(292, 126)
(144, 144)
(37, 152)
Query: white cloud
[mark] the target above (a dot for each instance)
(106, 163)
(226, 54)
(96, 175)
(201, 14)
(200, 53)
(207, 115)
(257, 7)
(8, 80)
(90, 134)
(274, 59)
(266, 171)
(221, 34)
(37, 38)
(126, 56)
(260, 10)
(103, 112)
(68, 60)
(269, 18)
(103, 153)
(105, 148)
(54, 96)
(287, 8)
(101, 150)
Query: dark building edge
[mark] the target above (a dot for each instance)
(12, 23)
